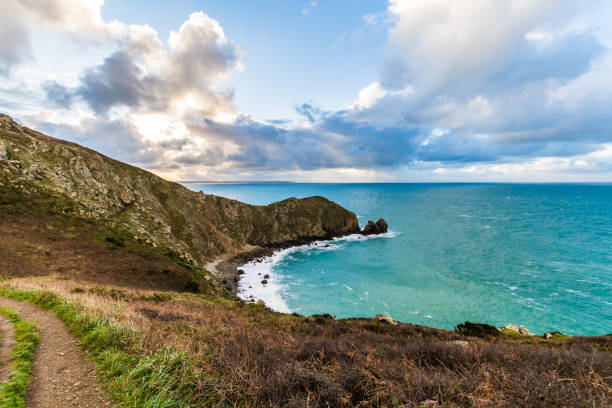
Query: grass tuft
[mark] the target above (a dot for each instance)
(13, 391)
(165, 378)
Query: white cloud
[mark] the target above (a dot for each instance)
(369, 95)
(472, 89)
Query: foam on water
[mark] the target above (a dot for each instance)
(250, 287)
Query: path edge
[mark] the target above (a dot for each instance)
(132, 379)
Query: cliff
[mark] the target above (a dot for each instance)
(135, 205)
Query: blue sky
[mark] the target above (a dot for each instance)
(292, 51)
(355, 90)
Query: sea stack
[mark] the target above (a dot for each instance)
(378, 227)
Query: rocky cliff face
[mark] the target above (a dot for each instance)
(193, 227)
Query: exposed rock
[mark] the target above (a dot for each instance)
(3, 152)
(266, 276)
(378, 227)
(264, 282)
(513, 327)
(240, 272)
(461, 343)
(550, 335)
(188, 226)
(386, 319)
(516, 329)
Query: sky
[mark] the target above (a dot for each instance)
(320, 91)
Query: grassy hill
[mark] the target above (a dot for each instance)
(52, 189)
(119, 255)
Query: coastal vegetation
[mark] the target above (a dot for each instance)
(164, 348)
(121, 256)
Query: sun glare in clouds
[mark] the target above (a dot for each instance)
(468, 90)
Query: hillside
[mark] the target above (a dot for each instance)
(99, 202)
(120, 257)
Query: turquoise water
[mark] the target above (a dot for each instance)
(537, 255)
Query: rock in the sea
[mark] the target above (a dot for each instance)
(266, 276)
(378, 227)
(386, 319)
(264, 282)
(240, 272)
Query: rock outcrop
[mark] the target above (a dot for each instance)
(191, 226)
(386, 319)
(522, 330)
(378, 227)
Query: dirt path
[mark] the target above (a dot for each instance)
(7, 343)
(62, 377)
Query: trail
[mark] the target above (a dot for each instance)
(7, 343)
(61, 376)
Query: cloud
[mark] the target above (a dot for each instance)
(144, 75)
(468, 88)
(57, 94)
(80, 19)
(15, 44)
(309, 7)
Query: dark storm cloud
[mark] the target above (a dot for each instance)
(117, 81)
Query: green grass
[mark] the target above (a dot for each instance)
(166, 378)
(13, 390)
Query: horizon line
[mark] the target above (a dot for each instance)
(381, 182)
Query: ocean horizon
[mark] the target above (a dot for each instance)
(537, 254)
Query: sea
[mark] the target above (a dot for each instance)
(538, 255)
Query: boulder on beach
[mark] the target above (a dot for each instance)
(378, 227)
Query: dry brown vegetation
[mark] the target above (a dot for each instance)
(249, 356)
(33, 242)
(104, 234)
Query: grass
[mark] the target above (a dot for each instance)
(165, 378)
(13, 391)
(175, 349)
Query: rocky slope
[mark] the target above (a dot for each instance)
(191, 227)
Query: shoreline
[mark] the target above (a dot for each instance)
(233, 270)
(226, 267)
(229, 269)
